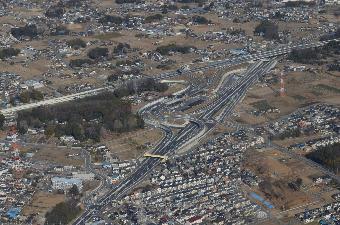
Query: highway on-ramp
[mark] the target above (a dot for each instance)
(210, 65)
(224, 104)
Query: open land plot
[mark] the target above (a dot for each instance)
(42, 202)
(276, 170)
(302, 89)
(290, 141)
(36, 44)
(133, 144)
(27, 73)
(173, 88)
(57, 155)
(36, 69)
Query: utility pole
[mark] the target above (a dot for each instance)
(135, 86)
(282, 86)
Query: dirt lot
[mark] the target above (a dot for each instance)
(289, 141)
(276, 170)
(134, 144)
(302, 88)
(30, 72)
(41, 203)
(57, 155)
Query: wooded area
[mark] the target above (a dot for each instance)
(315, 55)
(328, 156)
(63, 213)
(166, 49)
(84, 119)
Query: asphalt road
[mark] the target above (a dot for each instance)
(173, 142)
(215, 64)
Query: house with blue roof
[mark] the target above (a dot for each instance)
(13, 213)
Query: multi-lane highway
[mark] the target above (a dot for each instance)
(214, 112)
(172, 142)
(245, 58)
(104, 180)
(214, 64)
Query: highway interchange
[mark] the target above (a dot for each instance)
(215, 112)
(213, 64)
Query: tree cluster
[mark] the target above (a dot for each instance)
(262, 105)
(60, 30)
(121, 48)
(166, 49)
(330, 49)
(153, 18)
(129, 1)
(166, 8)
(200, 20)
(27, 96)
(73, 3)
(191, 1)
(304, 56)
(138, 86)
(74, 63)
(55, 12)
(328, 156)
(272, 190)
(30, 30)
(299, 3)
(334, 35)
(2, 120)
(295, 184)
(74, 192)
(124, 63)
(97, 53)
(268, 29)
(83, 118)
(315, 55)
(76, 43)
(8, 52)
(334, 67)
(111, 19)
(63, 213)
(236, 31)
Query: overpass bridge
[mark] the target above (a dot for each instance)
(162, 157)
(7, 112)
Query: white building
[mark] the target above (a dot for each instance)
(284, 1)
(61, 183)
(33, 84)
(83, 176)
(332, 2)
